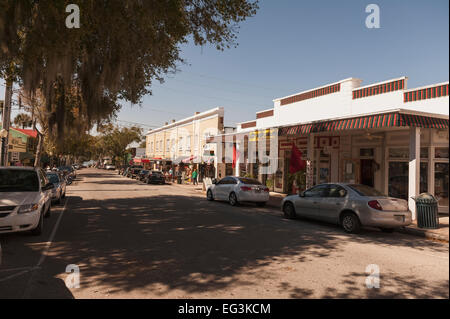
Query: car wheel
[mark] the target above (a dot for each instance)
(40, 226)
(289, 211)
(261, 204)
(351, 224)
(209, 195)
(387, 230)
(232, 199)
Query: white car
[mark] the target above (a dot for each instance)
(25, 199)
(238, 189)
(110, 167)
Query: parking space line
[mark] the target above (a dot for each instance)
(44, 253)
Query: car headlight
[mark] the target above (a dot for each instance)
(28, 208)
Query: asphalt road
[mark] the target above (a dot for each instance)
(132, 240)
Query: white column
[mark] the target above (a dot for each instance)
(238, 158)
(310, 171)
(414, 168)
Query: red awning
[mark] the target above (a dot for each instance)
(394, 119)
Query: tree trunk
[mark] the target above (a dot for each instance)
(37, 159)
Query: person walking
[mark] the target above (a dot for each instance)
(194, 177)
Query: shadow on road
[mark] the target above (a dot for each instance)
(163, 243)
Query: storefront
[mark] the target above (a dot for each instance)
(355, 150)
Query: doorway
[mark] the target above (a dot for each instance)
(367, 172)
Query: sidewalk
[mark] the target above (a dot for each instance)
(442, 233)
(437, 234)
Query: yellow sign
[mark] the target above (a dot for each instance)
(267, 133)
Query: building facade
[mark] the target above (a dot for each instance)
(182, 144)
(382, 135)
(22, 144)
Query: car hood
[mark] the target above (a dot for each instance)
(18, 198)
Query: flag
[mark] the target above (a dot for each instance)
(296, 163)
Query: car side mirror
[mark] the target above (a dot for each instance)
(301, 194)
(214, 181)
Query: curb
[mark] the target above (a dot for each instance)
(423, 234)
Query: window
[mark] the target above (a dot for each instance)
(180, 144)
(441, 183)
(398, 180)
(317, 191)
(13, 180)
(167, 145)
(364, 190)
(336, 191)
(441, 152)
(188, 143)
(249, 181)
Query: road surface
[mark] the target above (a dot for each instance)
(131, 240)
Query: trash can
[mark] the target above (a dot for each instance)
(427, 211)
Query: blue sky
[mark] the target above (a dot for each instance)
(293, 45)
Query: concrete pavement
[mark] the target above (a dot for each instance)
(132, 240)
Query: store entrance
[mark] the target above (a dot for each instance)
(367, 172)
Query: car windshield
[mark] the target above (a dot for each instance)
(12, 180)
(156, 173)
(364, 190)
(53, 178)
(65, 168)
(250, 181)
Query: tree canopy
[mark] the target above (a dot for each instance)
(120, 49)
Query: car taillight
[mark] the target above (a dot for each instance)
(375, 205)
(246, 188)
(266, 190)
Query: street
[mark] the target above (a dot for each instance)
(132, 240)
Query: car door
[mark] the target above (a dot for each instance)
(306, 205)
(329, 207)
(46, 194)
(221, 188)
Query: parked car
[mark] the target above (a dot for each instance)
(238, 189)
(133, 171)
(25, 199)
(110, 167)
(143, 175)
(68, 171)
(59, 191)
(350, 205)
(155, 177)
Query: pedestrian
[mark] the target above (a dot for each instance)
(194, 177)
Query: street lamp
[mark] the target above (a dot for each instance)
(3, 133)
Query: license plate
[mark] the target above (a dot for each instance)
(399, 218)
(257, 190)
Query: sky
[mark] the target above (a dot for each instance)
(293, 45)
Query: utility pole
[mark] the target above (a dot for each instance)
(6, 122)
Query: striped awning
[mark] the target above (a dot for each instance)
(395, 119)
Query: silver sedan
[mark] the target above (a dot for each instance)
(349, 205)
(238, 189)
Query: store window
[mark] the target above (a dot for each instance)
(441, 183)
(423, 177)
(441, 152)
(398, 180)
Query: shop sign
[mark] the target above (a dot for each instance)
(267, 134)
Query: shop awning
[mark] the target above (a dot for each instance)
(393, 119)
